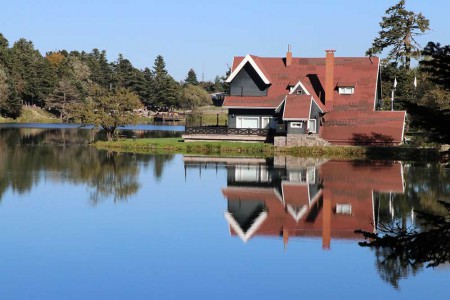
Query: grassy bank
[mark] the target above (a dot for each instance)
(176, 145)
(32, 114)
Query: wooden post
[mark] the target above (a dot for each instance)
(217, 120)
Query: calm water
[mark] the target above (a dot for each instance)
(77, 223)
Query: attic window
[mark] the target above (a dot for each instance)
(343, 209)
(346, 90)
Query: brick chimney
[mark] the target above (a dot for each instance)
(329, 78)
(288, 56)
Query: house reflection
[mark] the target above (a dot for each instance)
(295, 197)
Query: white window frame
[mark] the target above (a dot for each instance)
(346, 90)
(296, 125)
(239, 121)
(343, 209)
(311, 175)
(312, 123)
(266, 122)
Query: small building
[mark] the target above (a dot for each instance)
(312, 101)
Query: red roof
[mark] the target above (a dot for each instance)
(363, 127)
(361, 71)
(297, 107)
(253, 102)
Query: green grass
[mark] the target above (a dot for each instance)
(32, 115)
(177, 145)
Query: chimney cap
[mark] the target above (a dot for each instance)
(328, 51)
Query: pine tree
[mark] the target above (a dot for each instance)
(191, 78)
(165, 90)
(398, 29)
(437, 63)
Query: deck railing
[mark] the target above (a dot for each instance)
(226, 131)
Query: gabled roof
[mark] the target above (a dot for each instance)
(299, 84)
(360, 71)
(248, 59)
(297, 107)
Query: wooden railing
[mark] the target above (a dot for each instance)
(226, 131)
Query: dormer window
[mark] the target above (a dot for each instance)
(346, 90)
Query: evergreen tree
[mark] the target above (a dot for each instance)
(191, 78)
(436, 63)
(4, 52)
(129, 77)
(31, 73)
(398, 29)
(146, 96)
(4, 89)
(101, 70)
(165, 90)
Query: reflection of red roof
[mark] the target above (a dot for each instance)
(380, 176)
(297, 107)
(343, 183)
(295, 194)
(363, 127)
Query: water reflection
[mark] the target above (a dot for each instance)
(402, 251)
(297, 197)
(393, 204)
(29, 156)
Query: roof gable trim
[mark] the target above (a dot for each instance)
(300, 84)
(248, 59)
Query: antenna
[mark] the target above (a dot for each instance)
(203, 71)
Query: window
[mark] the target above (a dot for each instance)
(344, 209)
(297, 176)
(312, 125)
(346, 90)
(247, 122)
(311, 175)
(267, 122)
(296, 124)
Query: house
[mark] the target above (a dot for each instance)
(312, 101)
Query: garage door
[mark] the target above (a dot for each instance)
(248, 122)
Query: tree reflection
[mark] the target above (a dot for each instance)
(31, 155)
(115, 177)
(402, 251)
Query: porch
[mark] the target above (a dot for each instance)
(223, 133)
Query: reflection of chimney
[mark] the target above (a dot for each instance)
(326, 220)
(288, 56)
(329, 78)
(285, 238)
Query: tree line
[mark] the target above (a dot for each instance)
(423, 90)
(57, 80)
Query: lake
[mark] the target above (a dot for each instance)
(78, 223)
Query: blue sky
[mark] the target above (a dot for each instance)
(205, 35)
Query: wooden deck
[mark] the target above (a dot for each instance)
(221, 133)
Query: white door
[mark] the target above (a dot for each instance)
(248, 122)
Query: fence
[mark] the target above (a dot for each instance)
(226, 131)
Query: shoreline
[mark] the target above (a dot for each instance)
(178, 146)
